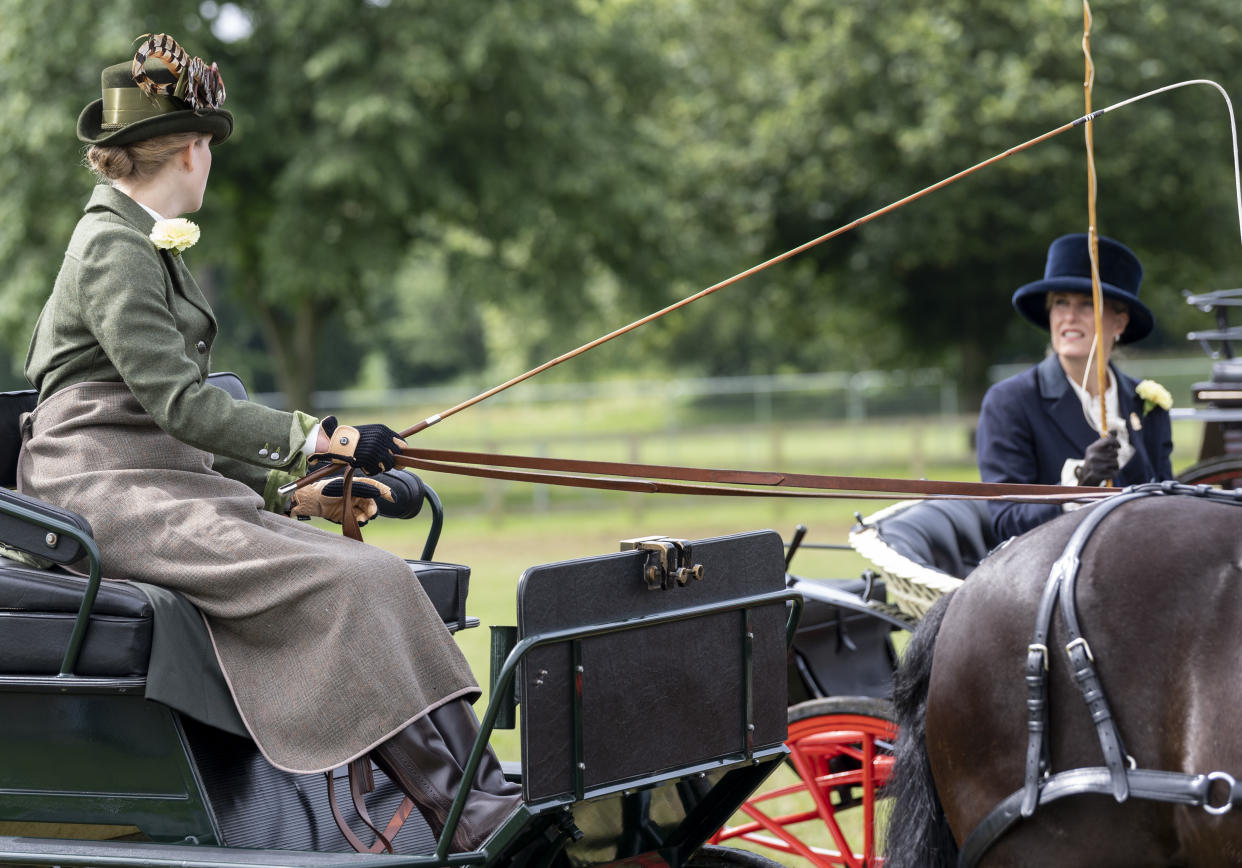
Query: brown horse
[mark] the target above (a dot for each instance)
(1159, 596)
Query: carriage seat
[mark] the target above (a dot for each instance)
(38, 607)
(925, 548)
(951, 536)
(37, 613)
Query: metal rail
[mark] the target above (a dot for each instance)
(62, 528)
(502, 684)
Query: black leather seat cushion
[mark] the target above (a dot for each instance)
(37, 613)
(446, 586)
(952, 536)
(38, 608)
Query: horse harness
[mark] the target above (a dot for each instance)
(1119, 776)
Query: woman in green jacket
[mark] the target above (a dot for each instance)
(330, 647)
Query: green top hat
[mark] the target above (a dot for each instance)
(128, 113)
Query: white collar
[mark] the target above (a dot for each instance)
(158, 217)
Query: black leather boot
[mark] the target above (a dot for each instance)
(427, 759)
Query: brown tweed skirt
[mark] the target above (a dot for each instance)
(329, 646)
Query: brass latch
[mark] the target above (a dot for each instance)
(669, 561)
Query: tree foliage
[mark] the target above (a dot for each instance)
(417, 191)
(457, 164)
(862, 104)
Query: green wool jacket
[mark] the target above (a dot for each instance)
(124, 311)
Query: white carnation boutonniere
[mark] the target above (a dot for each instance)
(175, 235)
(1153, 395)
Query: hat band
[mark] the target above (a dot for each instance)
(123, 106)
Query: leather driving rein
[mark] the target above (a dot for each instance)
(1119, 776)
(622, 476)
(652, 479)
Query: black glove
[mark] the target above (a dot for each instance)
(1099, 464)
(407, 494)
(371, 448)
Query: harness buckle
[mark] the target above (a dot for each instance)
(1227, 806)
(1043, 652)
(1081, 640)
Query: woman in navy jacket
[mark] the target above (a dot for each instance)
(1041, 425)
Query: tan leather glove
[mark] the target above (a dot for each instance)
(325, 499)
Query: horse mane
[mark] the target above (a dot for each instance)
(918, 834)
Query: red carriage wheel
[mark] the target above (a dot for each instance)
(841, 750)
(1223, 472)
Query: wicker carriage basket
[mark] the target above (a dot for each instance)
(923, 549)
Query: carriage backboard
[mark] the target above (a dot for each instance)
(655, 697)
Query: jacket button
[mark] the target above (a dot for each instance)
(201, 346)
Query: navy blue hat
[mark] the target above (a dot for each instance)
(1069, 270)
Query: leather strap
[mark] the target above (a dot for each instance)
(648, 479)
(1060, 586)
(361, 782)
(1082, 664)
(381, 844)
(484, 464)
(349, 522)
(1148, 784)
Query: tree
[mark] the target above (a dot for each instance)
(487, 156)
(475, 187)
(845, 107)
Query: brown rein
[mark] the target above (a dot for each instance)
(626, 476)
(652, 479)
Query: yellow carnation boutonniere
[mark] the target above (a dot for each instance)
(1153, 395)
(176, 235)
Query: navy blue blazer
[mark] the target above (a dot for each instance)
(1032, 422)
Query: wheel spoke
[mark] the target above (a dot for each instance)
(881, 767)
(843, 758)
(868, 797)
(795, 844)
(826, 811)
